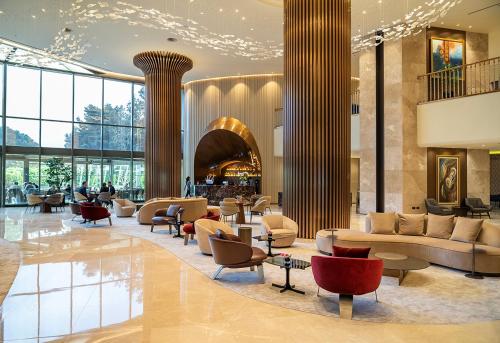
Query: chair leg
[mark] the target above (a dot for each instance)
(110, 224)
(169, 229)
(317, 293)
(152, 227)
(250, 217)
(217, 272)
(260, 272)
(252, 268)
(345, 305)
(186, 238)
(376, 296)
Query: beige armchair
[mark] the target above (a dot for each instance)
(33, 201)
(123, 207)
(205, 228)
(267, 198)
(259, 208)
(284, 229)
(79, 197)
(228, 209)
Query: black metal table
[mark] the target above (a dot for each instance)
(288, 264)
(269, 239)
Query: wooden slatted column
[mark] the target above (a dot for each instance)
(163, 73)
(317, 130)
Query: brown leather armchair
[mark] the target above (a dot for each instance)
(229, 252)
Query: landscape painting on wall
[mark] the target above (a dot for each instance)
(446, 53)
(448, 180)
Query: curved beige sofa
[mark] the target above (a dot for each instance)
(205, 228)
(284, 229)
(445, 252)
(194, 208)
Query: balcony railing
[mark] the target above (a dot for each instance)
(465, 80)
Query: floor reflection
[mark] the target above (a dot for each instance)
(73, 295)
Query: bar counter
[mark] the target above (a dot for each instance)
(216, 193)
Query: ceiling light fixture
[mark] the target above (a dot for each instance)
(83, 14)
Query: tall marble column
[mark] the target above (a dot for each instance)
(163, 73)
(317, 114)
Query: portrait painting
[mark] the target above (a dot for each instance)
(448, 180)
(446, 53)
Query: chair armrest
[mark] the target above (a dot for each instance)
(101, 211)
(162, 212)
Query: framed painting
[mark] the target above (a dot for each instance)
(446, 53)
(448, 180)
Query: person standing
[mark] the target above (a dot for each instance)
(187, 187)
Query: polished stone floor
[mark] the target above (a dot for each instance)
(93, 284)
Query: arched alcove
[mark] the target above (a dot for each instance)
(227, 151)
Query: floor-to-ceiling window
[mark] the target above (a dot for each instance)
(94, 125)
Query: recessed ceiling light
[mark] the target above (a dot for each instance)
(43, 10)
(172, 39)
(442, 23)
(243, 18)
(457, 25)
(364, 12)
(220, 10)
(202, 13)
(470, 26)
(251, 29)
(33, 16)
(136, 35)
(1, 12)
(236, 10)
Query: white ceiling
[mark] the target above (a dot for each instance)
(112, 43)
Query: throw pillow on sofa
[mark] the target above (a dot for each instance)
(466, 229)
(411, 224)
(350, 252)
(439, 226)
(490, 234)
(382, 223)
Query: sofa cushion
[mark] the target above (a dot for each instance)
(411, 224)
(339, 251)
(490, 234)
(382, 223)
(466, 229)
(440, 226)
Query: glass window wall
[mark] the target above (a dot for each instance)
(80, 119)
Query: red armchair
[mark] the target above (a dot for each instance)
(189, 227)
(91, 213)
(347, 277)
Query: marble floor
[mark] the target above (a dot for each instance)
(94, 284)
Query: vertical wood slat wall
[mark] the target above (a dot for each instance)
(317, 114)
(252, 100)
(162, 151)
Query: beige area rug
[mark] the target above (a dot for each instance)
(10, 258)
(436, 295)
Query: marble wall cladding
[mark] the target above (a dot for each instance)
(354, 179)
(478, 174)
(495, 174)
(367, 130)
(414, 157)
(393, 125)
(476, 47)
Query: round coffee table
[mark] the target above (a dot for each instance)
(400, 263)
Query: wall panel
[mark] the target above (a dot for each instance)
(250, 99)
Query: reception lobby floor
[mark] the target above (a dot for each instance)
(94, 284)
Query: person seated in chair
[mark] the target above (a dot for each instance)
(83, 190)
(104, 188)
(111, 188)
